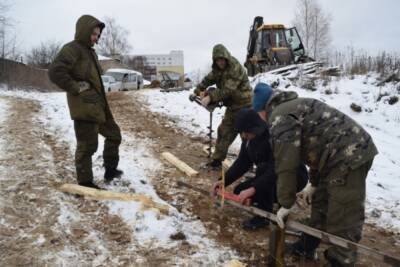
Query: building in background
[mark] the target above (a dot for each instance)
(110, 63)
(153, 65)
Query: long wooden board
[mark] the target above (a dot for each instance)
(97, 194)
(182, 166)
(324, 236)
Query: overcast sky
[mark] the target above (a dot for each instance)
(158, 26)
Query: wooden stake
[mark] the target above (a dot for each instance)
(97, 194)
(223, 186)
(182, 166)
(276, 257)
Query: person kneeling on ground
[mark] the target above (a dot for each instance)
(256, 150)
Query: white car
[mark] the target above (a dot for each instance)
(127, 79)
(110, 84)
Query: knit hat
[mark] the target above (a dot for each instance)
(262, 93)
(247, 120)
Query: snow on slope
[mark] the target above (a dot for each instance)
(150, 230)
(382, 121)
(379, 118)
(3, 115)
(187, 115)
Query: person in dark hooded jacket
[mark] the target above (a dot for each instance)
(233, 90)
(256, 150)
(77, 71)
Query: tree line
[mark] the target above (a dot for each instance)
(311, 21)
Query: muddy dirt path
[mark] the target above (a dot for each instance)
(224, 226)
(40, 226)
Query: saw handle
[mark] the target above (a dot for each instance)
(233, 197)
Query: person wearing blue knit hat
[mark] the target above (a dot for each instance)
(262, 93)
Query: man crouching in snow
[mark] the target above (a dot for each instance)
(339, 153)
(256, 150)
(77, 71)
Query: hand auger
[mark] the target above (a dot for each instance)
(210, 108)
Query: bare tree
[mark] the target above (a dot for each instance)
(313, 25)
(114, 39)
(137, 63)
(4, 25)
(42, 55)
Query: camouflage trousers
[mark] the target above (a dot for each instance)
(86, 133)
(338, 208)
(225, 135)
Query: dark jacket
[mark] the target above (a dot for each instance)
(258, 152)
(253, 152)
(77, 62)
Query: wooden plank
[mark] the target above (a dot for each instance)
(97, 194)
(234, 263)
(182, 166)
(324, 236)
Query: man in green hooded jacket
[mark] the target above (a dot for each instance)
(339, 153)
(233, 89)
(77, 71)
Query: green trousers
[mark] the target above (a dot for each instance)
(225, 135)
(338, 208)
(86, 133)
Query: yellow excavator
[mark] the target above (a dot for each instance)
(273, 46)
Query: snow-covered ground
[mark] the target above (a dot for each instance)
(379, 118)
(151, 229)
(187, 115)
(3, 116)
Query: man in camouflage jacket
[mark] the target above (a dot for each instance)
(233, 89)
(76, 70)
(339, 153)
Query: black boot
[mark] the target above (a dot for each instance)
(89, 184)
(332, 262)
(215, 164)
(305, 247)
(112, 173)
(255, 223)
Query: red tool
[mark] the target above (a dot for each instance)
(234, 197)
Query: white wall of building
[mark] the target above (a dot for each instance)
(174, 58)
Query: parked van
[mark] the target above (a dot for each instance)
(126, 79)
(110, 84)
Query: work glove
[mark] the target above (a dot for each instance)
(83, 86)
(205, 101)
(281, 216)
(306, 194)
(203, 94)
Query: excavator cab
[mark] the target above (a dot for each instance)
(293, 39)
(272, 46)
